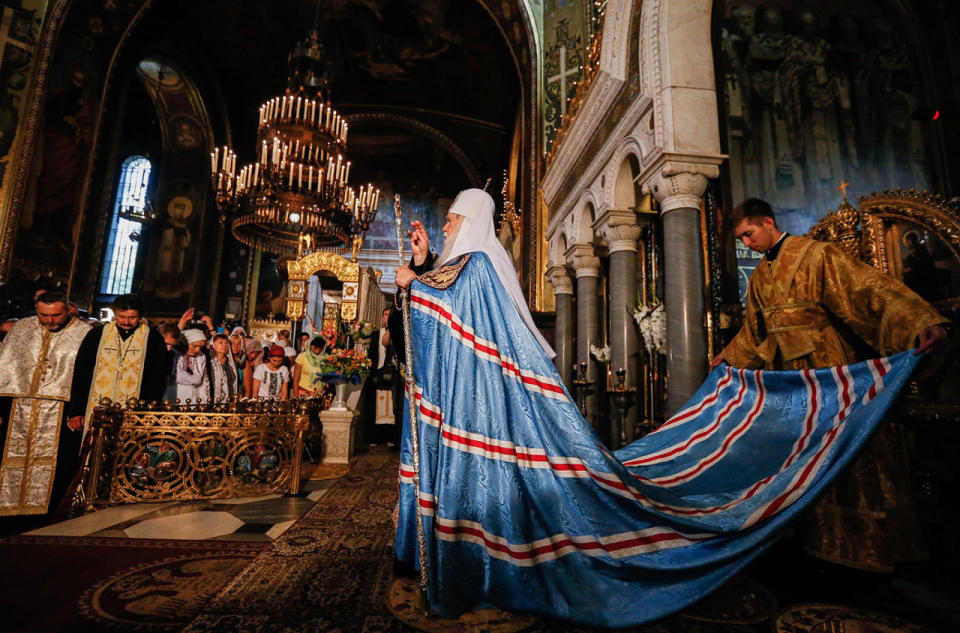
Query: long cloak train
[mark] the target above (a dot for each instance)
(525, 509)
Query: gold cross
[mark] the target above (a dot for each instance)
(843, 188)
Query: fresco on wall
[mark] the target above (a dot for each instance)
(60, 158)
(566, 35)
(815, 93)
(17, 49)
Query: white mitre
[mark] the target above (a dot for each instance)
(477, 234)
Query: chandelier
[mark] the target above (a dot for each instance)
(296, 191)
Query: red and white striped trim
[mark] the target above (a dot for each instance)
(558, 545)
(672, 452)
(879, 367)
(693, 410)
(486, 350)
(739, 431)
(809, 425)
(846, 398)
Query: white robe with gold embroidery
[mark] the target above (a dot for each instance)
(36, 369)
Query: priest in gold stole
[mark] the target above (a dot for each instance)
(40, 454)
(810, 305)
(124, 359)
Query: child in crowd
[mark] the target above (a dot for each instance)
(271, 379)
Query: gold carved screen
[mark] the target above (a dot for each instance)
(299, 272)
(209, 451)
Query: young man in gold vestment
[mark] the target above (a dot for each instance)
(810, 305)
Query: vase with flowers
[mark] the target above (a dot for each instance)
(343, 361)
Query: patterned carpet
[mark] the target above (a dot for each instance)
(332, 571)
(110, 584)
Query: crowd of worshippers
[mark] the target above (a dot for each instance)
(58, 365)
(207, 362)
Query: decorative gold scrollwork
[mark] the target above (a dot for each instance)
(300, 270)
(196, 451)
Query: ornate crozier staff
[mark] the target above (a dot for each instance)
(411, 396)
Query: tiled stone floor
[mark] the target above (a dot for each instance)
(241, 519)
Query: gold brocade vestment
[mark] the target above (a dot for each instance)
(36, 368)
(119, 369)
(805, 310)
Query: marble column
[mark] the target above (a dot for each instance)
(687, 363)
(587, 267)
(559, 278)
(619, 228)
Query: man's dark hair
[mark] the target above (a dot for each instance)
(52, 296)
(752, 209)
(128, 302)
(171, 329)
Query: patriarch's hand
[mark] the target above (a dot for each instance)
(419, 242)
(405, 277)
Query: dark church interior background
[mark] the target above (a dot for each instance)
(177, 87)
(814, 94)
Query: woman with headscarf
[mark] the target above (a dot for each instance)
(238, 353)
(192, 383)
(271, 379)
(224, 378)
(307, 369)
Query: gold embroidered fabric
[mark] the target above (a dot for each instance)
(443, 277)
(119, 367)
(805, 310)
(36, 369)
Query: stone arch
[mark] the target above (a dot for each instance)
(623, 190)
(583, 219)
(556, 255)
(684, 94)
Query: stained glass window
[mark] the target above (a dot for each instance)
(124, 239)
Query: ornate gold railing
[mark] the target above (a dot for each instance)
(180, 452)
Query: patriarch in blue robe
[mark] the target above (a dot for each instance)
(524, 508)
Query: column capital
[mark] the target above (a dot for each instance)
(681, 190)
(559, 278)
(584, 260)
(619, 228)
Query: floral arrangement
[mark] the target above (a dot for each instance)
(343, 364)
(341, 360)
(653, 325)
(602, 354)
(362, 330)
(331, 335)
